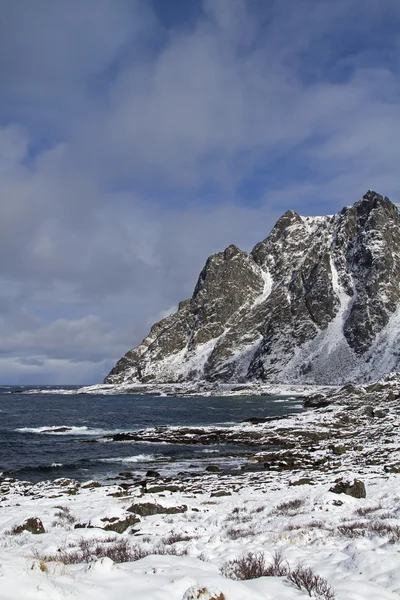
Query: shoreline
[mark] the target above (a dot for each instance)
(187, 528)
(184, 390)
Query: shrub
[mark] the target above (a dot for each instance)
(289, 508)
(366, 510)
(173, 537)
(304, 578)
(236, 534)
(369, 529)
(63, 517)
(250, 566)
(119, 550)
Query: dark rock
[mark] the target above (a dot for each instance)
(90, 484)
(146, 509)
(302, 481)
(120, 525)
(316, 401)
(356, 489)
(33, 525)
(338, 450)
(213, 469)
(220, 493)
(394, 468)
(152, 473)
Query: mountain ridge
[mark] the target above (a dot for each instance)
(317, 302)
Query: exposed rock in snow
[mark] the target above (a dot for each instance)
(316, 302)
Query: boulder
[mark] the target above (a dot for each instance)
(33, 525)
(355, 489)
(147, 509)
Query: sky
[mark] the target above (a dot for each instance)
(137, 137)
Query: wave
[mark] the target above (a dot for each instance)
(131, 459)
(68, 430)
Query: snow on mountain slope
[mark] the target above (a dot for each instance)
(317, 301)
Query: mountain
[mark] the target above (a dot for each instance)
(317, 301)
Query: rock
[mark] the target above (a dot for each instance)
(338, 450)
(356, 489)
(119, 525)
(33, 525)
(90, 484)
(146, 509)
(302, 481)
(220, 493)
(316, 401)
(394, 468)
(152, 473)
(213, 469)
(203, 593)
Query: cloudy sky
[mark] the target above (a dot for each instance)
(139, 136)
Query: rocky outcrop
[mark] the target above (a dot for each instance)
(317, 301)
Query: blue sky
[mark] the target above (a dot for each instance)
(138, 137)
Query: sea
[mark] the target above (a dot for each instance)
(32, 449)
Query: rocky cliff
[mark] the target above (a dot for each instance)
(317, 301)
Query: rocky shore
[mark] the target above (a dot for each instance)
(321, 487)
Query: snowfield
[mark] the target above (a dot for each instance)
(180, 532)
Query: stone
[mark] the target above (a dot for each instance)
(33, 525)
(90, 485)
(146, 509)
(203, 593)
(152, 473)
(302, 481)
(120, 525)
(356, 489)
(213, 469)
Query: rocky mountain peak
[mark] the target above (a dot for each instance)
(317, 301)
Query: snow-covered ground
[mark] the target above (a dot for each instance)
(223, 517)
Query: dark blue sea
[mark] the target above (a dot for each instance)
(31, 450)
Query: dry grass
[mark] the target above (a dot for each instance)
(369, 529)
(120, 550)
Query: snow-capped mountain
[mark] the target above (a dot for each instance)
(317, 301)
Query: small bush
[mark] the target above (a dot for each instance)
(174, 537)
(309, 525)
(369, 529)
(63, 517)
(120, 550)
(363, 511)
(289, 508)
(278, 567)
(250, 566)
(237, 534)
(304, 579)
(15, 530)
(258, 509)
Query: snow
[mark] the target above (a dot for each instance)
(217, 529)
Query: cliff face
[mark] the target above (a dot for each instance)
(317, 301)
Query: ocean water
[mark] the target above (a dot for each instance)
(32, 449)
